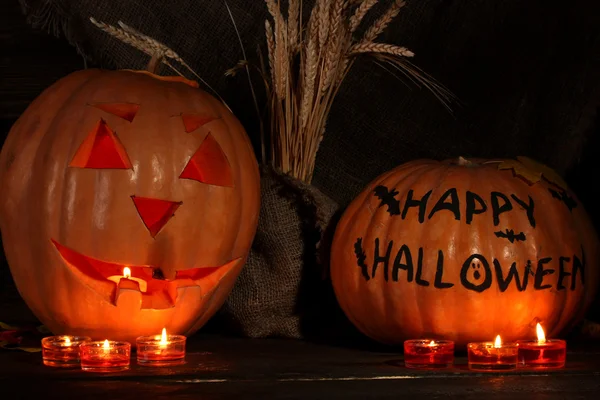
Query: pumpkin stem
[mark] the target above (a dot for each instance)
(154, 63)
(463, 162)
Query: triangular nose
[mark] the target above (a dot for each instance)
(155, 213)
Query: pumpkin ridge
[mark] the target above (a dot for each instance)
(47, 172)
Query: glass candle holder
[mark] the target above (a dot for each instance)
(105, 356)
(551, 353)
(158, 351)
(486, 356)
(428, 353)
(62, 351)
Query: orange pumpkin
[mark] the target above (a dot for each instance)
(465, 250)
(129, 203)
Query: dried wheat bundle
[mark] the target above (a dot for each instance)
(307, 62)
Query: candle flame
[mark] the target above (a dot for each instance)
(126, 272)
(432, 343)
(163, 337)
(540, 333)
(498, 342)
(67, 341)
(106, 346)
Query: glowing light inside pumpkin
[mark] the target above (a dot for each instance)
(101, 149)
(127, 275)
(540, 333)
(155, 213)
(209, 165)
(191, 122)
(106, 346)
(67, 341)
(498, 342)
(432, 343)
(127, 111)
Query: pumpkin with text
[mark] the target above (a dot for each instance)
(465, 250)
(129, 204)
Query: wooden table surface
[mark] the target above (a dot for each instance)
(222, 368)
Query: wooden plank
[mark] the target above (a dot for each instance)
(221, 367)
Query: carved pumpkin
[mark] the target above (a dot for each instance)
(465, 250)
(129, 203)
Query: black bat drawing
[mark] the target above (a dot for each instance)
(360, 258)
(564, 197)
(510, 235)
(388, 198)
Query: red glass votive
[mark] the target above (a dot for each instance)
(428, 353)
(551, 353)
(62, 351)
(105, 356)
(152, 351)
(484, 356)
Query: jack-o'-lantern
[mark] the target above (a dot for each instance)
(465, 250)
(129, 204)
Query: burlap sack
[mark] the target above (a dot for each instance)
(284, 288)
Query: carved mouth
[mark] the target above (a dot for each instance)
(107, 280)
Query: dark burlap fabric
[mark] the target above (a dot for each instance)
(527, 73)
(283, 290)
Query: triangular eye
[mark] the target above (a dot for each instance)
(127, 111)
(101, 149)
(209, 165)
(191, 122)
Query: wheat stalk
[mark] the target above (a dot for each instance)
(360, 13)
(293, 25)
(308, 62)
(158, 52)
(383, 21)
(381, 48)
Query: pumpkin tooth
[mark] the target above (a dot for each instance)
(127, 297)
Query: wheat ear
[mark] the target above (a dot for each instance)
(382, 22)
(360, 13)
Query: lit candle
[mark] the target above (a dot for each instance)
(542, 353)
(492, 356)
(161, 350)
(428, 353)
(62, 351)
(127, 275)
(106, 356)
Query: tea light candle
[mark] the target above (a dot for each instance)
(428, 353)
(161, 350)
(106, 356)
(542, 353)
(127, 276)
(492, 356)
(62, 351)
